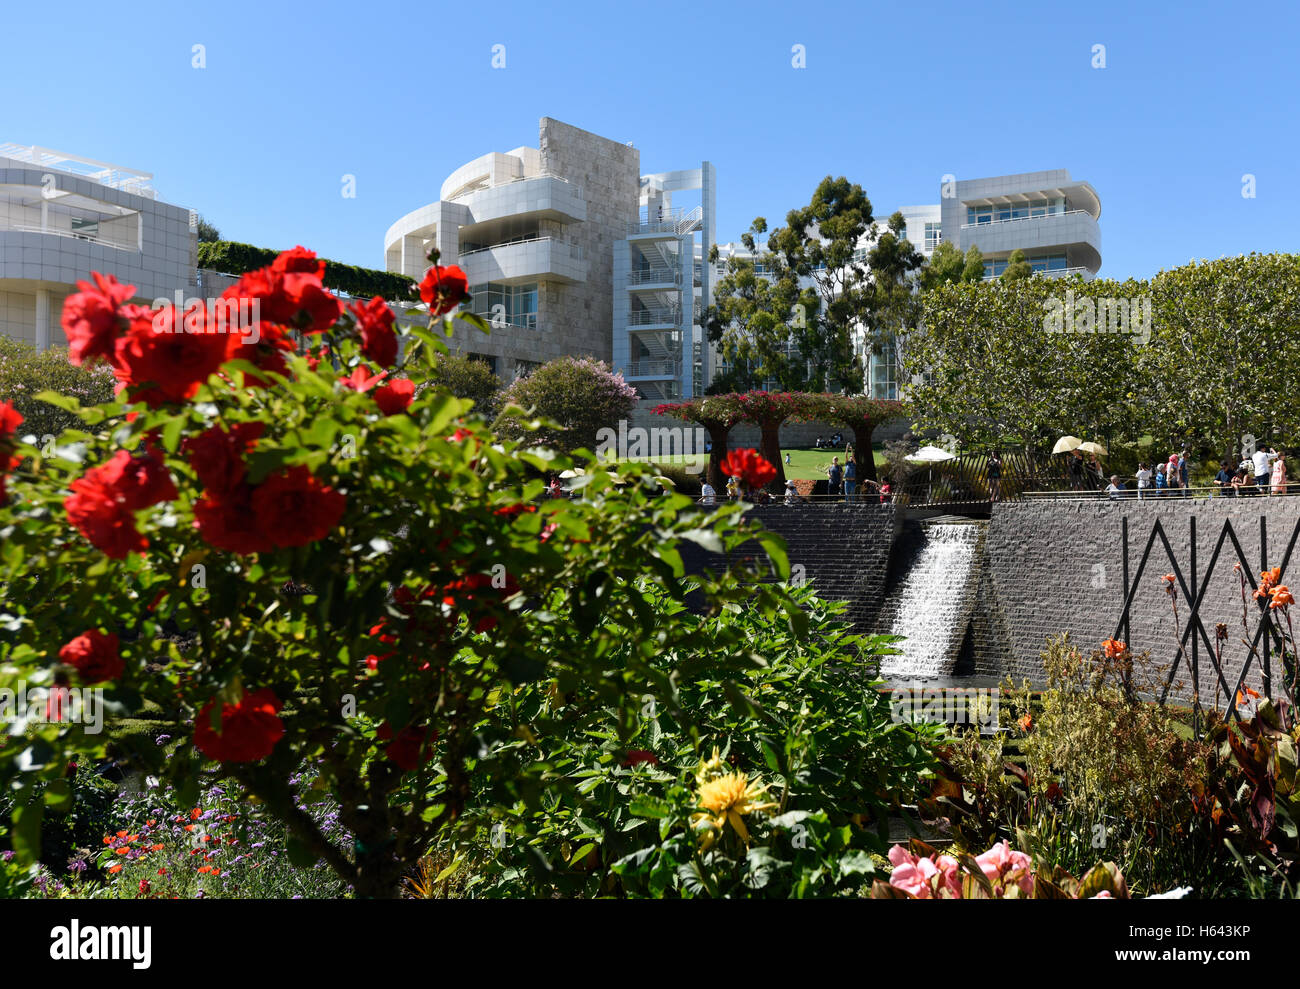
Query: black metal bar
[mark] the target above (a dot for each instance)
(1195, 616)
(1264, 617)
(1128, 631)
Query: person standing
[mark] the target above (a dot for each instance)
(1144, 480)
(791, 493)
(995, 476)
(1279, 475)
(733, 488)
(1075, 468)
(835, 477)
(1260, 460)
(1184, 473)
(850, 480)
(708, 496)
(1162, 482)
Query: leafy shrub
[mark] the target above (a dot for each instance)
(771, 772)
(309, 568)
(25, 373)
(1104, 772)
(578, 396)
(233, 258)
(467, 377)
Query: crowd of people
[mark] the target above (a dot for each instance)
(1261, 473)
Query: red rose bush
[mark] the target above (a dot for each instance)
(281, 535)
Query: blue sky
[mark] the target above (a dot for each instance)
(294, 97)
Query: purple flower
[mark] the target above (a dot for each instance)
(8, 855)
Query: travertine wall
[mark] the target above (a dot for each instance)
(578, 319)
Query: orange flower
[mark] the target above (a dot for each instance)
(151, 822)
(121, 851)
(205, 868)
(189, 827)
(1026, 722)
(115, 868)
(1267, 581)
(121, 834)
(1113, 648)
(196, 813)
(156, 848)
(1281, 597)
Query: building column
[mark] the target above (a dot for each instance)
(42, 319)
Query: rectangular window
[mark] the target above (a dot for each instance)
(933, 235)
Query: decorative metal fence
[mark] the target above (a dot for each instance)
(1190, 587)
(965, 479)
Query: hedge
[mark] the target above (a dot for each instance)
(231, 258)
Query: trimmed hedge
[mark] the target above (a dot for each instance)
(232, 258)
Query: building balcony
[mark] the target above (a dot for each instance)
(542, 259)
(653, 368)
(545, 197)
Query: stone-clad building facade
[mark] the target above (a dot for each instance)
(534, 231)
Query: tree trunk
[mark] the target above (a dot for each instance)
(862, 448)
(769, 446)
(718, 434)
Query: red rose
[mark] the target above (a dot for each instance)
(443, 289)
(412, 746)
(227, 521)
(477, 590)
(103, 502)
(139, 481)
(299, 260)
(293, 508)
(92, 318)
(751, 468)
(10, 420)
(249, 729)
(217, 456)
(395, 396)
(161, 360)
(375, 322)
(94, 654)
(315, 309)
(361, 379)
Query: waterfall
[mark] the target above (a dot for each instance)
(931, 603)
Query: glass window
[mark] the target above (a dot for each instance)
(933, 235)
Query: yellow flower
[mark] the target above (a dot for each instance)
(726, 800)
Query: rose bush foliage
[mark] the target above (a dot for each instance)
(296, 559)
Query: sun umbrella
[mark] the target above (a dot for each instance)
(1091, 447)
(1067, 443)
(575, 472)
(931, 455)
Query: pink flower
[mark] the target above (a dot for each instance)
(1103, 895)
(911, 874)
(1001, 864)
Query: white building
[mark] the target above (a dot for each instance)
(63, 216)
(535, 231)
(662, 287)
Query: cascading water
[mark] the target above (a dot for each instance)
(930, 606)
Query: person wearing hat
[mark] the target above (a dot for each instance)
(791, 493)
(733, 488)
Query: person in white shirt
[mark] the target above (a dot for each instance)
(1114, 487)
(791, 493)
(707, 495)
(1144, 479)
(1262, 461)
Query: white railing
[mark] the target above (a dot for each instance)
(648, 276)
(654, 368)
(649, 317)
(1050, 272)
(1022, 219)
(574, 250)
(689, 220)
(112, 176)
(28, 228)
